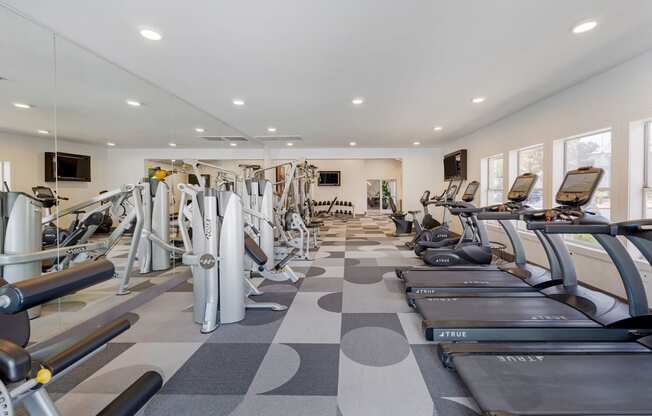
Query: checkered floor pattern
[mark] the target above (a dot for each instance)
(347, 345)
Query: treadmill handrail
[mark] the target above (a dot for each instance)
(489, 215)
(561, 228)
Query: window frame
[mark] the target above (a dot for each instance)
(540, 179)
(515, 170)
(488, 189)
(573, 238)
(647, 169)
(5, 174)
(579, 137)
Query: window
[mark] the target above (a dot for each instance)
(5, 175)
(647, 184)
(530, 160)
(495, 184)
(591, 150)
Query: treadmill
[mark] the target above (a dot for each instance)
(517, 276)
(568, 312)
(597, 378)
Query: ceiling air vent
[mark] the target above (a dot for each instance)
(279, 139)
(232, 139)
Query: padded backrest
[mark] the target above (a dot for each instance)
(254, 251)
(15, 328)
(392, 204)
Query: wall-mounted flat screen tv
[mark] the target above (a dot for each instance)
(67, 167)
(329, 178)
(455, 165)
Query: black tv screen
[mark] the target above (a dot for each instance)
(329, 178)
(67, 167)
(455, 165)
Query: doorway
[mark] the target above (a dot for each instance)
(379, 192)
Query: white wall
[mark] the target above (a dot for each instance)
(354, 175)
(617, 99)
(27, 157)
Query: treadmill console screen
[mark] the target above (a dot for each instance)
(470, 191)
(578, 186)
(522, 187)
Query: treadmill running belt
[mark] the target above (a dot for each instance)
(617, 384)
(470, 278)
(539, 309)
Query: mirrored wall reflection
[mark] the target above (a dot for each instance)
(100, 108)
(57, 132)
(28, 145)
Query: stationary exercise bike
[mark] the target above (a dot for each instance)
(402, 224)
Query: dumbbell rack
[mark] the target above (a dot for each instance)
(343, 208)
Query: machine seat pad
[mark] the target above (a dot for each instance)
(15, 362)
(254, 251)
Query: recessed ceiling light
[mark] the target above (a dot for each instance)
(478, 100)
(584, 26)
(110, 144)
(271, 129)
(42, 132)
(199, 130)
(353, 144)
(172, 144)
(21, 105)
(238, 102)
(233, 144)
(134, 103)
(150, 34)
(358, 101)
(416, 143)
(290, 144)
(438, 128)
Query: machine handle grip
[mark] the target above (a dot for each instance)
(130, 401)
(19, 296)
(85, 346)
(577, 229)
(464, 210)
(488, 215)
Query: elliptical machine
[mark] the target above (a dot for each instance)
(478, 252)
(442, 236)
(428, 222)
(52, 234)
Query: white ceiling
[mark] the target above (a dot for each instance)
(299, 63)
